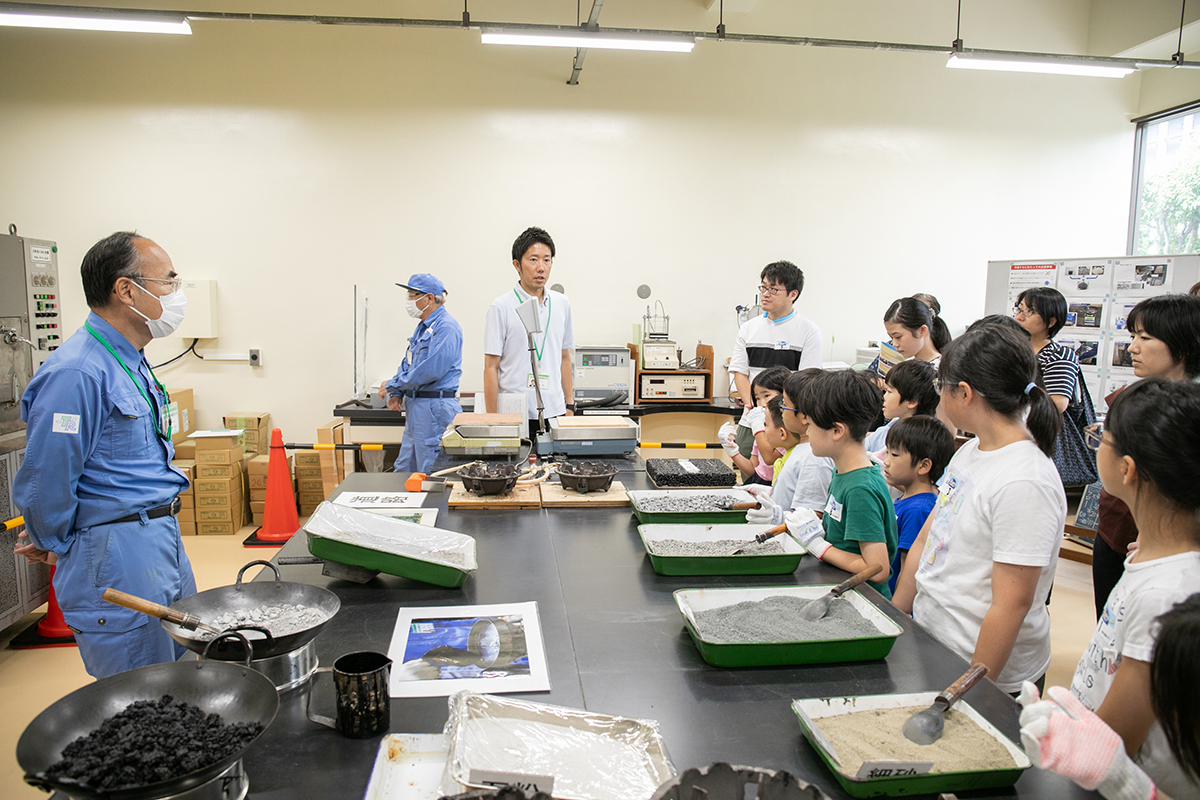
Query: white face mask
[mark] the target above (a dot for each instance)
(410, 306)
(174, 306)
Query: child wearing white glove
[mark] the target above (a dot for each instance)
(858, 529)
(758, 466)
(1060, 734)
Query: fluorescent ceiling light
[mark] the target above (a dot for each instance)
(597, 40)
(1051, 66)
(95, 23)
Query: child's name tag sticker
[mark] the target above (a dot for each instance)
(833, 508)
(892, 769)
(491, 777)
(66, 423)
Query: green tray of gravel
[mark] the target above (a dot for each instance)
(744, 564)
(641, 501)
(888, 771)
(874, 645)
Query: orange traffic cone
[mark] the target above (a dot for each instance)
(280, 519)
(53, 626)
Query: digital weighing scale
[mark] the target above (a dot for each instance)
(590, 437)
(484, 435)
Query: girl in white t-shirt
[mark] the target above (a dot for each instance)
(1151, 433)
(988, 550)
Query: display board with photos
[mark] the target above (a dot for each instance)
(1100, 293)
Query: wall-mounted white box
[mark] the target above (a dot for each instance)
(200, 322)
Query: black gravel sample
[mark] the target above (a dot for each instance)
(688, 472)
(151, 741)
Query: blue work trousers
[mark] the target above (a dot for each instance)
(143, 558)
(426, 419)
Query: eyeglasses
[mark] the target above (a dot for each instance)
(1021, 311)
(175, 282)
(770, 290)
(1093, 435)
(782, 407)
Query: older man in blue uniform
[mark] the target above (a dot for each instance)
(428, 377)
(97, 488)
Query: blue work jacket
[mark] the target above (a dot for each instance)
(434, 358)
(93, 451)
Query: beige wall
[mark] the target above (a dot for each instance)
(292, 162)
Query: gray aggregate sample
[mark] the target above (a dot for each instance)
(674, 504)
(777, 619)
(721, 547)
(281, 620)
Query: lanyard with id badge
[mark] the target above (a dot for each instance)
(543, 379)
(952, 495)
(162, 420)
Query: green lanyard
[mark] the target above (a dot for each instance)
(138, 385)
(545, 333)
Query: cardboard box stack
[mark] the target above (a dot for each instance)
(220, 495)
(309, 483)
(182, 409)
(256, 430)
(256, 474)
(187, 499)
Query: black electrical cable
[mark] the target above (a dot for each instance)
(1179, 48)
(191, 349)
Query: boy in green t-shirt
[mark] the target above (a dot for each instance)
(859, 526)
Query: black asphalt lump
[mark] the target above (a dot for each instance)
(151, 741)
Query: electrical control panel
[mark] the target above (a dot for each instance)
(602, 371)
(30, 318)
(44, 297)
(686, 387)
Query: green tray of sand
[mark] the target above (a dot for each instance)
(861, 742)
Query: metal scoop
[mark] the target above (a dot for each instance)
(184, 620)
(770, 533)
(818, 608)
(925, 726)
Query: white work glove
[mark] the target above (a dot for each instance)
(728, 429)
(756, 420)
(767, 512)
(729, 444)
(1060, 734)
(806, 529)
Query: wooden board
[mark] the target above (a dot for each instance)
(488, 419)
(520, 497)
(554, 495)
(593, 421)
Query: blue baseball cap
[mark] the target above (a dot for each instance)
(424, 283)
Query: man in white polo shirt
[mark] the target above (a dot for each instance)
(780, 337)
(506, 366)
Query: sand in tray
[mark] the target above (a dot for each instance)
(777, 619)
(877, 734)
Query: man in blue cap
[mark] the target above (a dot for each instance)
(428, 377)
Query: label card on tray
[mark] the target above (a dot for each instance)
(892, 769)
(492, 777)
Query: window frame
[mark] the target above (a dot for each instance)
(1139, 143)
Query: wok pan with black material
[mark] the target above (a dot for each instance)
(209, 605)
(236, 692)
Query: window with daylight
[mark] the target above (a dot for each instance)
(1165, 215)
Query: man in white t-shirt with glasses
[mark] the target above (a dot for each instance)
(779, 337)
(506, 362)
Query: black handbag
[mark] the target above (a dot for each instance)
(1076, 462)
